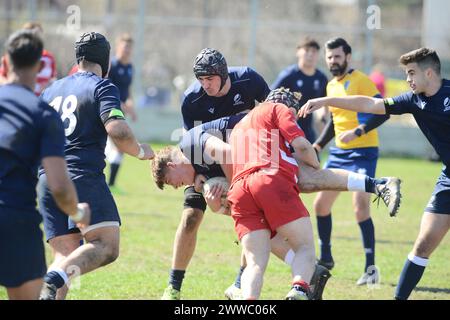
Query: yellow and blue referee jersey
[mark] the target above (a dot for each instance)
(353, 83)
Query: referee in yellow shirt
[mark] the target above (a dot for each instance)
(356, 150)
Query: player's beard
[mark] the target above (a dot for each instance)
(338, 70)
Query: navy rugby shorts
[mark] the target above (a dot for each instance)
(91, 189)
(359, 160)
(440, 199)
(22, 255)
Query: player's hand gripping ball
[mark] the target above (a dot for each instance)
(218, 181)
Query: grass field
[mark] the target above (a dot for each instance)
(150, 218)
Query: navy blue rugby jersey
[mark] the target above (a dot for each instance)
(247, 87)
(121, 76)
(85, 102)
(311, 87)
(432, 115)
(193, 144)
(30, 130)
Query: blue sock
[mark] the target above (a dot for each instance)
(176, 278)
(237, 282)
(410, 276)
(54, 278)
(324, 225)
(371, 184)
(368, 238)
(114, 169)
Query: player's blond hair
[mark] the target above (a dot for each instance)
(159, 164)
(33, 25)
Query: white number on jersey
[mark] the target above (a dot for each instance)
(67, 112)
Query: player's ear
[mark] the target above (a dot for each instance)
(4, 63)
(428, 73)
(348, 57)
(171, 164)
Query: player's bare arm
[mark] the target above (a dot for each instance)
(351, 135)
(305, 152)
(124, 139)
(220, 152)
(353, 103)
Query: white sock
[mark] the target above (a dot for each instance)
(289, 257)
(62, 274)
(356, 182)
(418, 260)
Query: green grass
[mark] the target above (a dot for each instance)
(150, 218)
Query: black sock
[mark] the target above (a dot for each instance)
(371, 184)
(237, 282)
(114, 168)
(176, 278)
(324, 225)
(368, 238)
(409, 278)
(54, 278)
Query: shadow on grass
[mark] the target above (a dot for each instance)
(434, 290)
(377, 240)
(427, 289)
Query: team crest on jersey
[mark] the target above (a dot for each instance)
(422, 104)
(212, 110)
(300, 83)
(447, 104)
(121, 71)
(316, 84)
(346, 84)
(238, 100)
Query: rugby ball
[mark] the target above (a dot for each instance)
(217, 181)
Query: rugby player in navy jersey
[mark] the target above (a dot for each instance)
(121, 75)
(429, 103)
(89, 107)
(31, 133)
(306, 78)
(218, 92)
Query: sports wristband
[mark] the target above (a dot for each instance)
(141, 153)
(79, 215)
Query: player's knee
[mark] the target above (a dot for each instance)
(361, 205)
(422, 248)
(362, 213)
(320, 209)
(257, 268)
(111, 254)
(107, 250)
